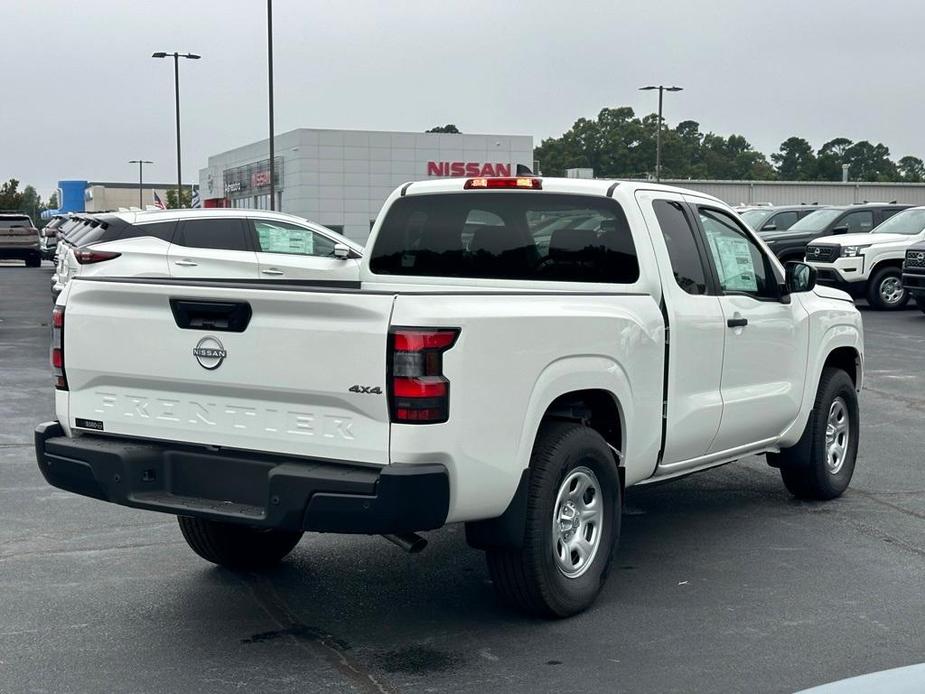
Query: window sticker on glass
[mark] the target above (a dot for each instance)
(734, 263)
(274, 239)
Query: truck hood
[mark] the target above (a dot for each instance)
(831, 293)
(865, 239)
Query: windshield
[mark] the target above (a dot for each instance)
(526, 235)
(908, 222)
(816, 221)
(755, 218)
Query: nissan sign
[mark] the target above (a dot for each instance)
(466, 168)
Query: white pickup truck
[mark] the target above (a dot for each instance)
(517, 353)
(869, 265)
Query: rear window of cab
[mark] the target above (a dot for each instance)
(507, 235)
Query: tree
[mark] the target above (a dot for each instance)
(912, 169)
(830, 158)
(795, 161)
(448, 128)
(869, 162)
(10, 197)
(186, 198)
(53, 201)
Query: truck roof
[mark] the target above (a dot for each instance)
(580, 186)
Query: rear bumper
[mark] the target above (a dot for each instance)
(241, 487)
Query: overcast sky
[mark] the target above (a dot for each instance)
(766, 70)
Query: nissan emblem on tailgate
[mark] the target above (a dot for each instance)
(210, 353)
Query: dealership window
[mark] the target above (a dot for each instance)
(282, 237)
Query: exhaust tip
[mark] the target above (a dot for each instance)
(412, 543)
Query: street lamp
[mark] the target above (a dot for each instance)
(176, 82)
(658, 133)
(270, 88)
(141, 163)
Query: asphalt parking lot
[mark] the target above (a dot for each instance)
(722, 582)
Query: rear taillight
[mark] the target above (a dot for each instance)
(419, 393)
(57, 347)
(87, 256)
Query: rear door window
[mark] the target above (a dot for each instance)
(220, 234)
(507, 235)
(686, 261)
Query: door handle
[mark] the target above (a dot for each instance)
(737, 322)
(186, 262)
(272, 271)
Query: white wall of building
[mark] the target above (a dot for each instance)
(340, 178)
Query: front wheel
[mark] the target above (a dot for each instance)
(885, 291)
(572, 525)
(821, 464)
(237, 546)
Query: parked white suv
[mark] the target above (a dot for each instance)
(197, 243)
(869, 265)
(519, 350)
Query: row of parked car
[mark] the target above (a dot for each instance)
(874, 251)
(191, 243)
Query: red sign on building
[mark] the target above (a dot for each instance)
(466, 168)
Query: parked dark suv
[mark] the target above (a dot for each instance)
(914, 273)
(850, 219)
(776, 217)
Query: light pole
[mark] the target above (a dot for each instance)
(141, 163)
(176, 83)
(270, 86)
(658, 132)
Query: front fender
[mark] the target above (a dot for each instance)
(835, 333)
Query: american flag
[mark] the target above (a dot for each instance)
(158, 203)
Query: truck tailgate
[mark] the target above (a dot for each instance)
(282, 385)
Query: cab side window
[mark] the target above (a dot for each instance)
(741, 266)
(857, 222)
(784, 220)
(682, 249)
(281, 237)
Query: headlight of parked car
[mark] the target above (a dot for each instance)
(852, 251)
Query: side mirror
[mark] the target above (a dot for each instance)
(49, 233)
(341, 251)
(800, 277)
(843, 229)
(769, 227)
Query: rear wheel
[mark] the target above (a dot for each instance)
(572, 525)
(885, 290)
(821, 464)
(237, 546)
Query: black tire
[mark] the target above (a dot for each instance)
(237, 546)
(529, 578)
(804, 467)
(886, 276)
(34, 261)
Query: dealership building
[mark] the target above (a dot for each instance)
(341, 178)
